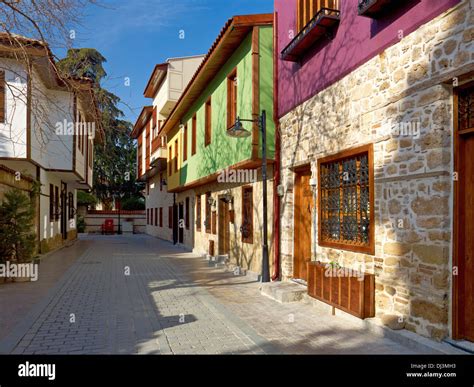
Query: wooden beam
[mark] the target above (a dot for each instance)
(255, 89)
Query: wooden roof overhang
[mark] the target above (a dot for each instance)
(142, 120)
(229, 39)
(157, 77)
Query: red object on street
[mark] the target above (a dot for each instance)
(108, 226)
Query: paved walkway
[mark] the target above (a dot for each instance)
(138, 294)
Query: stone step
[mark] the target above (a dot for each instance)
(284, 292)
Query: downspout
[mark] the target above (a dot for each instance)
(276, 165)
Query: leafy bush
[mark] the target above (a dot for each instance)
(133, 203)
(85, 199)
(81, 224)
(17, 236)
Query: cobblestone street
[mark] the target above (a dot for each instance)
(141, 295)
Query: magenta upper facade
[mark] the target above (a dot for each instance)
(357, 39)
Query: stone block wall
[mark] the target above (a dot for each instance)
(246, 255)
(402, 102)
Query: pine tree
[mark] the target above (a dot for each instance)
(17, 237)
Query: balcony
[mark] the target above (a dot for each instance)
(159, 158)
(377, 8)
(322, 24)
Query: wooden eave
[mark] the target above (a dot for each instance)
(156, 79)
(229, 39)
(142, 120)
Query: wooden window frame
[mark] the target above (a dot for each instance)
(185, 142)
(176, 154)
(51, 203)
(198, 213)
(56, 203)
(170, 166)
(208, 122)
(214, 222)
(155, 121)
(458, 296)
(70, 200)
(342, 245)
(193, 135)
(232, 93)
(247, 239)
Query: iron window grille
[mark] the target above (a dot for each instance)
(346, 201)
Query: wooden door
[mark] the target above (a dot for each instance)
(463, 299)
(302, 229)
(224, 228)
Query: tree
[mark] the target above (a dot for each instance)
(46, 20)
(115, 158)
(17, 236)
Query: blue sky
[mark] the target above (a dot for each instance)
(134, 35)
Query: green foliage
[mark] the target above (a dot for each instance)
(115, 159)
(17, 237)
(133, 203)
(85, 199)
(81, 224)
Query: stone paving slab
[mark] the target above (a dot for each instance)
(141, 295)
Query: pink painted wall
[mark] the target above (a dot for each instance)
(357, 40)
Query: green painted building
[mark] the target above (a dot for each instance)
(220, 209)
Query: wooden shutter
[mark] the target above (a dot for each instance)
(176, 154)
(185, 143)
(247, 215)
(231, 98)
(51, 202)
(198, 212)
(56, 202)
(208, 122)
(193, 135)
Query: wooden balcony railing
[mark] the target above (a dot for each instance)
(316, 18)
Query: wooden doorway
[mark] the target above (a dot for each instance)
(224, 227)
(304, 204)
(463, 260)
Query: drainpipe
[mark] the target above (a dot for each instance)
(276, 165)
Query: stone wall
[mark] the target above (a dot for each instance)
(410, 83)
(245, 255)
(95, 219)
